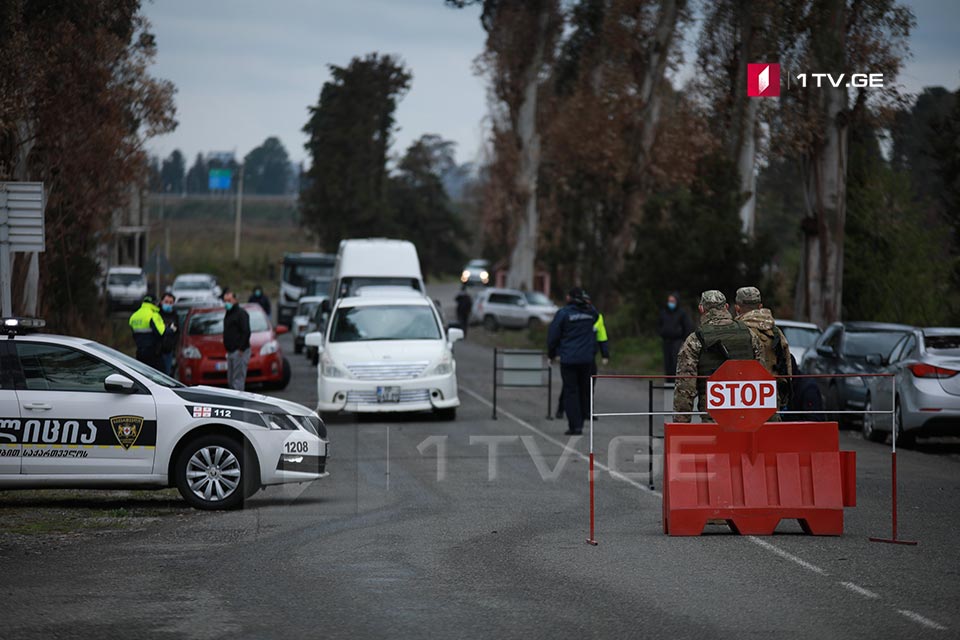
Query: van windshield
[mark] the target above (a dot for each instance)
(384, 322)
(350, 286)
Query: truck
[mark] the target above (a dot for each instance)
(299, 270)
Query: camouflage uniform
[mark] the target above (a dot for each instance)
(716, 314)
(762, 325)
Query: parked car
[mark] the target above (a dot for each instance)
(125, 287)
(926, 368)
(196, 287)
(307, 306)
(203, 359)
(851, 347)
(800, 336)
(496, 308)
(476, 272)
(318, 322)
(386, 354)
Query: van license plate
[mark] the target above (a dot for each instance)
(388, 394)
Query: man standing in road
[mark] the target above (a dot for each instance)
(236, 340)
(261, 299)
(719, 338)
(774, 350)
(148, 328)
(464, 305)
(572, 338)
(673, 325)
(171, 332)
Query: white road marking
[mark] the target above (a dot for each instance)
(911, 615)
(866, 593)
(919, 619)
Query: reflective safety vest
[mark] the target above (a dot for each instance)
(600, 329)
(148, 314)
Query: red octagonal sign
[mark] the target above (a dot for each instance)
(741, 395)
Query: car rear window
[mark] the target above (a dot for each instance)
(943, 345)
(211, 323)
(798, 337)
(503, 298)
(125, 278)
(860, 344)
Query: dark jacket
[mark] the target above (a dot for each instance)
(236, 329)
(571, 334)
(805, 397)
(674, 325)
(172, 333)
(464, 304)
(263, 301)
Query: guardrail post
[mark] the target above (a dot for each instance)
(650, 434)
(494, 416)
(549, 390)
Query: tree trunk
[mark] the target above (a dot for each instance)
(819, 296)
(746, 163)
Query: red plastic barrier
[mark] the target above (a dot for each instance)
(753, 480)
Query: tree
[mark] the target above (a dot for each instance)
(198, 177)
(173, 172)
(349, 133)
(76, 104)
(266, 169)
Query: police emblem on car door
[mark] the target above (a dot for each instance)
(126, 429)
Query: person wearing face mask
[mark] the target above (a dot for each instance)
(168, 343)
(673, 325)
(236, 341)
(261, 299)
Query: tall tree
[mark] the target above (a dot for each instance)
(198, 179)
(267, 168)
(349, 131)
(76, 104)
(173, 172)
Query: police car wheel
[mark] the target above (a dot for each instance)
(210, 473)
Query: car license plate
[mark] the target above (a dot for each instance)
(388, 394)
(221, 366)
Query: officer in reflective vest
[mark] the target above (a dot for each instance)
(719, 338)
(148, 327)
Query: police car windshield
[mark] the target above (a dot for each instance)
(144, 370)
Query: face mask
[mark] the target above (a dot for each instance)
(168, 308)
(228, 305)
(672, 306)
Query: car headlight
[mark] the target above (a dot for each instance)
(464, 276)
(484, 276)
(443, 368)
(329, 370)
(280, 422)
(269, 347)
(190, 352)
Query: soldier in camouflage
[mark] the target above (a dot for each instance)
(774, 350)
(719, 338)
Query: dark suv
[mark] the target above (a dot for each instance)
(850, 347)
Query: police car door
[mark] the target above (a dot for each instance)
(9, 413)
(71, 424)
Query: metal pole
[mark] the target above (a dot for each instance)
(650, 434)
(494, 416)
(549, 390)
(6, 279)
(156, 276)
(236, 231)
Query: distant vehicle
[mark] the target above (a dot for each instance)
(203, 359)
(386, 354)
(298, 270)
(511, 308)
(318, 322)
(476, 272)
(305, 310)
(851, 347)
(800, 336)
(196, 287)
(317, 287)
(109, 421)
(926, 365)
(375, 262)
(125, 287)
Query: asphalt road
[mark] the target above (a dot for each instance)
(419, 532)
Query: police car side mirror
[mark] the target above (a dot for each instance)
(314, 339)
(116, 383)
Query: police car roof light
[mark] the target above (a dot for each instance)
(19, 326)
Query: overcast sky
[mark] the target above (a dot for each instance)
(248, 69)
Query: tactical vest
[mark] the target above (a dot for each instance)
(720, 343)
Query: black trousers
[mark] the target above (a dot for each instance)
(576, 393)
(560, 410)
(464, 320)
(671, 347)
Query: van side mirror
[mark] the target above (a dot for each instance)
(454, 334)
(314, 339)
(117, 383)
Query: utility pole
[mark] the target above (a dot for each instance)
(239, 217)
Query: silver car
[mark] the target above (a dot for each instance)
(306, 307)
(800, 336)
(926, 368)
(496, 308)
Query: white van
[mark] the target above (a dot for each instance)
(375, 262)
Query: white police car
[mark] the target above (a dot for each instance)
(75, 413)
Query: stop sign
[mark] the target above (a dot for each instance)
(741, 395)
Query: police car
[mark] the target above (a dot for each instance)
(75, 413)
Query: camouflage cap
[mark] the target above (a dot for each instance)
(712, 299)
(748, 295)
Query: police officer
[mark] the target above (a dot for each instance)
(719, 338)
(148, 328)
(572, 338)
(600, 330)
(774, 350)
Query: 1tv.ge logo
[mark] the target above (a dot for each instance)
(763, 80)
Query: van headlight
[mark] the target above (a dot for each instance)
(443, 368)
(269, 348)
(190, 352)
(330, 370)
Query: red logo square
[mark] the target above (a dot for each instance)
(763, 80)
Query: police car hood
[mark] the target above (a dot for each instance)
(760, 319)
(244, 399)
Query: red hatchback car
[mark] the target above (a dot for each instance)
(203, 360)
